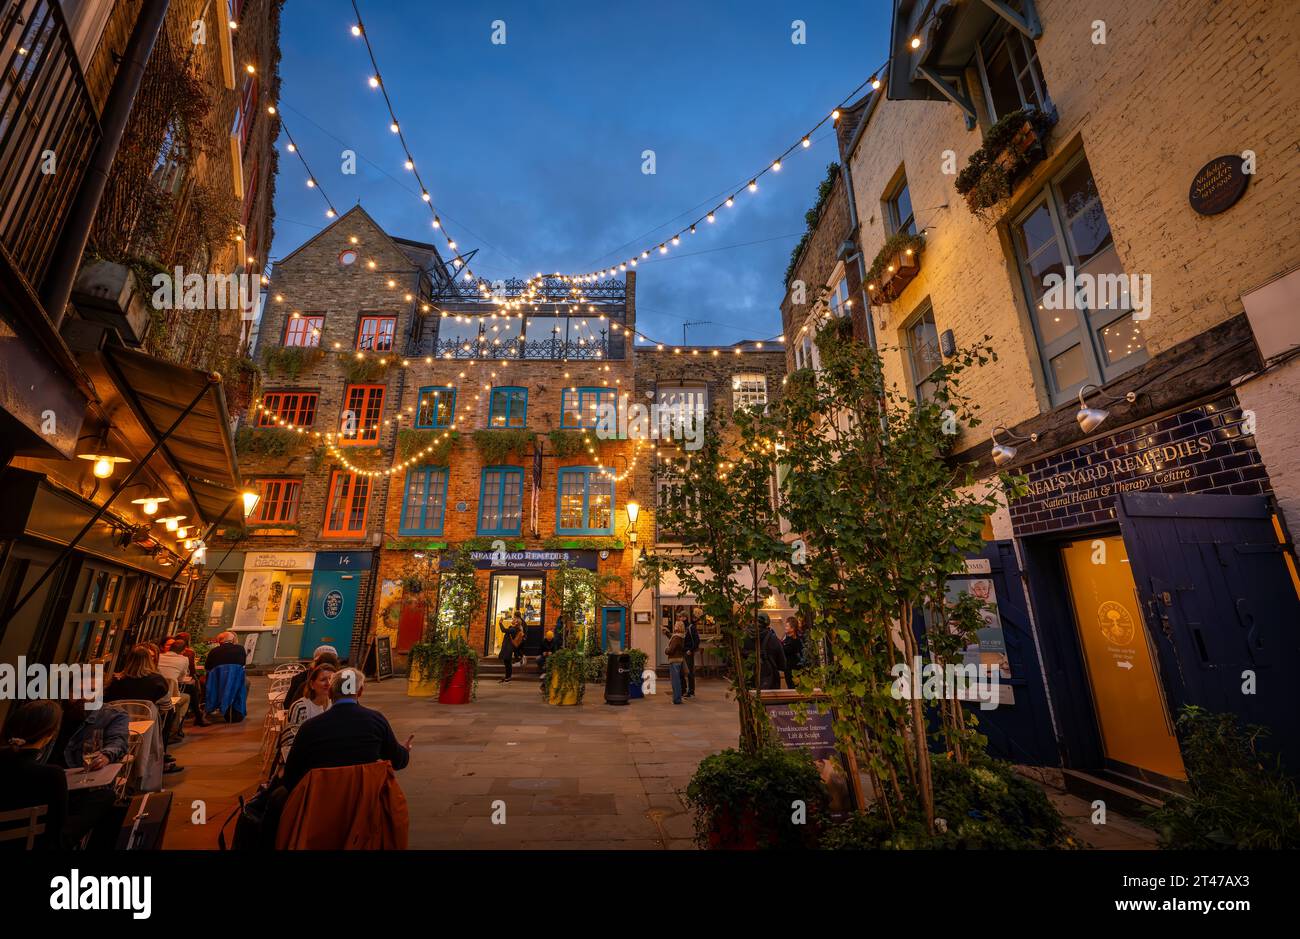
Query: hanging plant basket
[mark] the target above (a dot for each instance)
(896, 265)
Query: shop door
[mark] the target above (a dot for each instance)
(330, 612)
(1137, 731)
(511, 593)
(1019, 729)
(1219, 590)
(613, 629)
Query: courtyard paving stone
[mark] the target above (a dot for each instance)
(589, 777)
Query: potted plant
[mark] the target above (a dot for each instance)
(576, 593)
(422, 674)
(636, 668)
(1013, 146)
(742, 799)
(566, 676)
(895, 266)
(456, 667)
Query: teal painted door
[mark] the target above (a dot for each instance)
(613, 629)
(330, 612)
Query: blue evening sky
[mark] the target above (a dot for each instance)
(532, 150)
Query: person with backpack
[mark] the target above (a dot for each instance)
(792, 646)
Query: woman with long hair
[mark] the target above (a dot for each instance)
(313, 696)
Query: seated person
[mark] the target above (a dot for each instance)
(345, 735)
(176, 665)
(227, 651)
(324, 655)
(139, 680)
(92, 810)
(28, 782)
(313, 698)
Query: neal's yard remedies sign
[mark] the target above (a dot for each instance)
(1203, 450)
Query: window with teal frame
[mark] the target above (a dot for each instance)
(424, 500)
(501, 500)
(508, 407)
(584, 502)
(435, 407)
(580, 407)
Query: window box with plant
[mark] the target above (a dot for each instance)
(896, 265)
(1012, 147)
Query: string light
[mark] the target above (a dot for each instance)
(311, 178)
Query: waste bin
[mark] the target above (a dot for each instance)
(618, 672)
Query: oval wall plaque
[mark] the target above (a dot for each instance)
(1218, 185)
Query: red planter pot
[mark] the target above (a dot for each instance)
(457, 687)
(729, 833)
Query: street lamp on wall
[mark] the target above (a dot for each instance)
(633, 511)
(1004, 453)
(1090, 418)
(251, 498)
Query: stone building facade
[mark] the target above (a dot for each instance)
(1189, 378)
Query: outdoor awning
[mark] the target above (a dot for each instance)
(200, 448)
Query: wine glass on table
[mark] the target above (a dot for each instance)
(90, 749)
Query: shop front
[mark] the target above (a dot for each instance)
(272, 605)
(1160, 577)
(520, 582)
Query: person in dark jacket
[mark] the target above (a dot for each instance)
(28, 782)
(692, 644)
(345, 735)
(226, 652)
(771, 653)
(792, 646)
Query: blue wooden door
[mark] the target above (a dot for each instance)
(331, 611)
(1217, 590)
(1020, 731)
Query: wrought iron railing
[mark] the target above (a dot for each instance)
(553, 348)
(48, 131)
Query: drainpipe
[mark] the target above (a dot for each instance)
(66, 259)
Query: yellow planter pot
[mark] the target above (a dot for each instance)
(554, 696)
(416, 688)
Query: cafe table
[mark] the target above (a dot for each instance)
(79, 778)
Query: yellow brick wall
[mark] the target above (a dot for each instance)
(1175, 85)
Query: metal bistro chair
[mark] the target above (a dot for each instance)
(23, 824)
(289, 668)
(275, 713)
(146, 750)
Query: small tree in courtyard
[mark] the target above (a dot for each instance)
(884, 520)
(719, 505)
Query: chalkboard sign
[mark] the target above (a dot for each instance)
(816, 735)
(379, 658)
(1218, 185)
